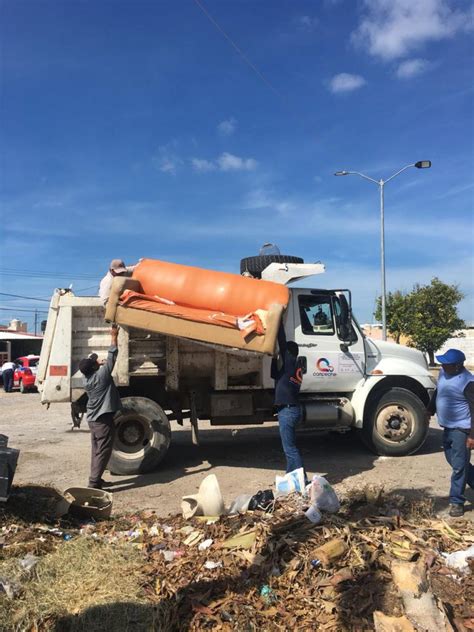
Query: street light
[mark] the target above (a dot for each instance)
(421, 164)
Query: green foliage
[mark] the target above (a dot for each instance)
(397, 310)
(427, 315)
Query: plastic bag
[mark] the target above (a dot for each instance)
(459, 559)
(323, 496)
(292, 482)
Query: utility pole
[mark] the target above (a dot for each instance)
(36, 321)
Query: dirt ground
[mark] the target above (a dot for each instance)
(245, 459)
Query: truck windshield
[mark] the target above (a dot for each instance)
(316, 315)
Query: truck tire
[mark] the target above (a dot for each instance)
(142, 437)
(397, 424)
(256, 265)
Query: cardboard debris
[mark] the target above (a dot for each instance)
(193, 588)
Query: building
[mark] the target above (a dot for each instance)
(14, 344)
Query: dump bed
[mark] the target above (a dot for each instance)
(76, 328)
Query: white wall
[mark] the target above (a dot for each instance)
(465, 344)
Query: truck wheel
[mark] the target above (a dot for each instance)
(142, 437)
(397, 424)
(256, 265)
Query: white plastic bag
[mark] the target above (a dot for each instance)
(323, 496)
(459, 559)
(292, 482)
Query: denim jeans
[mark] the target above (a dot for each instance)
(458, 457)
(8, 380)
(288, 419)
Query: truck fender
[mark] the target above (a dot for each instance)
(371, 389)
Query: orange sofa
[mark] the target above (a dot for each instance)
(203, 305)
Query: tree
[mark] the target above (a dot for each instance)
(397, 311)
(433, 316)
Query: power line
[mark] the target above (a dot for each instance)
(83, 289)
(239, 50)
(21, 309)
(46, 275)
(31, 298)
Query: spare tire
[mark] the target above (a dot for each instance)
(142, 437)
(256, 265)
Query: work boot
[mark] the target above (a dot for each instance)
(456, 511)
(106, 483)
(95, 485)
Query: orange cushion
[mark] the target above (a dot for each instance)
(208, 289)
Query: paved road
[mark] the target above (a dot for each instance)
(244, 461)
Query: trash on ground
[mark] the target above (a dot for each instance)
(210, 565)
(460, 559)
(207, 502)
(241, 541)
(205, 545)
(89, 503)
(323, 495)
(292, 482)
(336, 575)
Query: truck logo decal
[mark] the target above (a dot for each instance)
(324, 366)
(58, 370)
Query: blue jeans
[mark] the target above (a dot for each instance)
(288, 419)
(458, 457)
(7, 380)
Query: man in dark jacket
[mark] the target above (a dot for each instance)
(453, 402)
(288, 380)
(103, 403)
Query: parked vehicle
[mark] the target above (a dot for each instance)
(349, 381)
(24, 377)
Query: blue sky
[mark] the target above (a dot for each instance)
(136, 129)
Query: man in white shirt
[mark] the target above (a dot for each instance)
(8, 369)
(117, 268)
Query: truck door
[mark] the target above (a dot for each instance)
(331, 366)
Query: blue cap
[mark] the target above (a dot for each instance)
(452, 356)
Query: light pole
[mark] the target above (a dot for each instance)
(421, 164)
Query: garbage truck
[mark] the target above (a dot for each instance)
(350, 381)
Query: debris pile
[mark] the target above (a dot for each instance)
(376, 565)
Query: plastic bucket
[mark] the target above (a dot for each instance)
(89, 503)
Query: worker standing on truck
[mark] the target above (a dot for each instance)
(103, 402)
(117, 268)
(288, 380)
(453, 402)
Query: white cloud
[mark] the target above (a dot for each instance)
(225, 162)
(202, 166)
(229, 162)
(227, 127)
(390, 29)
(345, 82)
(306, 22)
(411, 68)
(166, 160)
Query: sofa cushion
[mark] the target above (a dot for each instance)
(210, 290)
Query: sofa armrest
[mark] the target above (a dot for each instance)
(119, 285)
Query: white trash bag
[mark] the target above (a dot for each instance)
(323, 495)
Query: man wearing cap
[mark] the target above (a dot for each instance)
(453, 402)
(103, 402)
(117, 268)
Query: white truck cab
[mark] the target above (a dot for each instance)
(349, 380)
